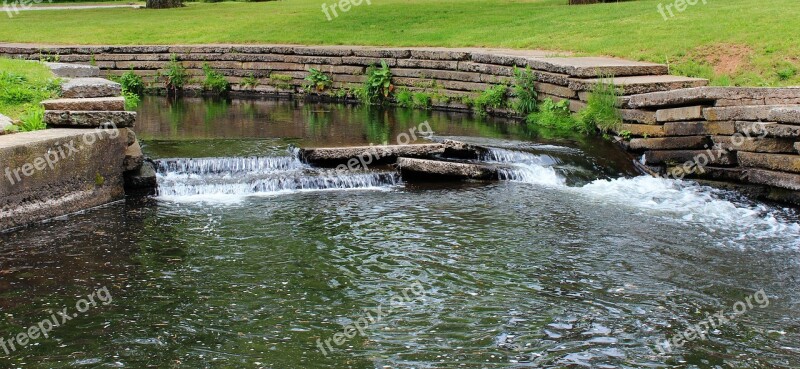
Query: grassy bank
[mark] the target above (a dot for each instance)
(742, 42)
(23, 85)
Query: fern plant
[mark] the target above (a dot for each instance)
(176, 76)
(215, 81)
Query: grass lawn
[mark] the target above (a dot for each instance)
(23, 85)
(741, 42)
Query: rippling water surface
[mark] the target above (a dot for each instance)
(248, 258)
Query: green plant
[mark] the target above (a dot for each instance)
(317, 80)
(422, 100)
(250, 82)
(32, 119)
(556, 115)
(48, 57)
(524, 90)
(601, 107)
(786, 73)
(493, 97)
(93, 61)
(176, 76)
(404, 97)
(626, 134)
(378, 85)
(131, 82)
(132, 100)
(282, 81)
(215, 81)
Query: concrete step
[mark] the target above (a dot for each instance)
(747, 112)
(779, 162)
(88, 104)
(73, 70)
(90, 87)
(65, 118)
(718, 96)
(641, 84)
(590, 67)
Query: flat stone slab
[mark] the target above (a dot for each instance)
(641, 84)
(73, 70)
(378, 154)
(776, 179)
(779, 162)
(638, 116)
(680, 114)
(748, 112)
(717, 157)
(718, 96)
(699, 128)
(411, 168)
(669, 143)
(90, 119)
(643, 130)
(768, 129)
(588, 67)
(88, 104)
(133, 157)
(790, 115)
(754, 144)
(90, 87)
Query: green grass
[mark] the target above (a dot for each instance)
(23, 85)
(767, 32)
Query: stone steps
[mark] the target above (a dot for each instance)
(73, 70)
(634, 85)
(84, 119)
(87, 104)
(717, 96)
(89, 88)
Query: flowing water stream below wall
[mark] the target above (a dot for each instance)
(249, 258)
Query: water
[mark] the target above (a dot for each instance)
(248, 257)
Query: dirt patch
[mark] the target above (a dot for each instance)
(724, 58)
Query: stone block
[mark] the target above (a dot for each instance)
(358, 60)
(428, 64)
(680, 114)
(90, 87)
(382, 53)
(88, 119)
(753, 112)
(90, 104)
(718, 96)
(699, 128)
(590, 67)
(777, 179)
(497, 70)
(669, 143)
(779, 162)
(643, 130)
(640, 84)
(555, 90)
(73, 70)
(638, 116)
(768, 129)
(85, 176)
(133, 157)
(788, 115)
(439, 54)
(704, 157)
(437, 74)
(753, 144)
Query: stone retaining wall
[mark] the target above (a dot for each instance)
(669, 120)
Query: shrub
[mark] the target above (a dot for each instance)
(601, 107)
(494, 97)
(524, 90)
(378, 85)
(176, 76)
(556, 115)
(215, 81)
(422, 100)
(250, 82)
(317, 80)
(404, 97)
(132, 83)
(132, 100)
